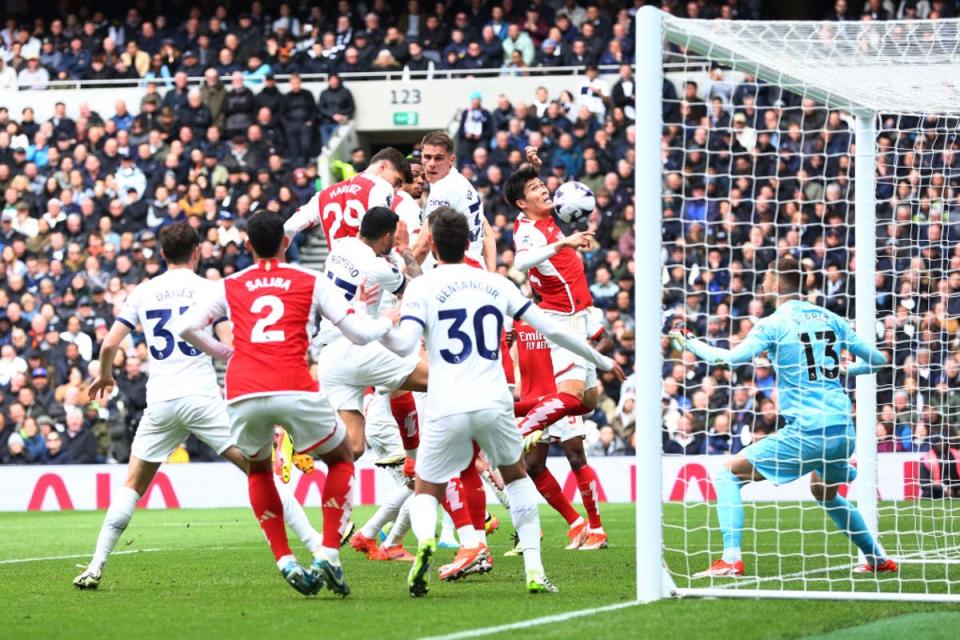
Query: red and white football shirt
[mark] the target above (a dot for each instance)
(536, 365)
(559, 281)
(340, 207)
(272, 306)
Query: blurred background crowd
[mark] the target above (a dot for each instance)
(225, 128)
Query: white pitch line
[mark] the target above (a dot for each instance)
(560, 617)
(75, 555)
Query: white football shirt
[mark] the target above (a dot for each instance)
(177, 369)
(362, 277)
(463, 311)
(456, 192)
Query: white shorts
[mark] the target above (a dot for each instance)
(346, 370)
(307, 417)
(565, 429)
(446, 443)
(566, 364)
(165, 425)
(383, 436)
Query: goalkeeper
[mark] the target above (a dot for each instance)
(804, 342)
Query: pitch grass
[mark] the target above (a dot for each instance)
(212, 576)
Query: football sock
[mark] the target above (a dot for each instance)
(729, 513)
(400, 526)
(455, 503)
(114, 524)
(550, 409)
(522, 406)
(447, 528)
(268, 510)
(849, 521)
(587, 481)
(296, 518)
(388, 511)
(526, 521)
(550, 489)
(404, 411)
(423, 516)
(476, 498)
(337, 502)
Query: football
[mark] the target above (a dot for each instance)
(573, 202)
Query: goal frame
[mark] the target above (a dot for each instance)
(653, 580)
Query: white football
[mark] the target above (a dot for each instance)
(574, 201)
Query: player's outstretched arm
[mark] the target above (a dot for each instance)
(360, 329)
(871, 358)
(743, 353)
(404, 339)
(554, 332)
(527, 259)
(191, 325)
(303, 218)
(103, 383)
(489, 250)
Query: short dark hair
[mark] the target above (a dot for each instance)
(513, 190)
(790, 274)
(438, 139)
(394, 157)
(377, 222)
(177, 241)
(265, 232)
(451, 233)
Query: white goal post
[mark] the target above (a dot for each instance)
(864, 71)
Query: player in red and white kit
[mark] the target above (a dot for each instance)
(272, 306)
(536, 382)
(339, 207)
(459, 312)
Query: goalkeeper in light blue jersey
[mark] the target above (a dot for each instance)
(804, 343)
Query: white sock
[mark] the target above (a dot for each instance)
(400, 526)
(446, 526)
(387, 512)
(296, 518)
(114, 524)
(481, 535)
(526, 520)
(731, 555)
(330, 555)
(284, 560)
(468, 537)
(423, 516)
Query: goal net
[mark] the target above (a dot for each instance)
(837, 144)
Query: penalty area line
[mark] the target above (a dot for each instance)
(75, 555)
(533, 622)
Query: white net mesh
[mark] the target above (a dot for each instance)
(755, 169)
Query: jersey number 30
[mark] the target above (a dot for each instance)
(465, 341)
(261, 330)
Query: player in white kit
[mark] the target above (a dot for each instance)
(183, 395)
(460, 311)
(448, 188)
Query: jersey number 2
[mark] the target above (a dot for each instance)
(829, 373)
(261, 331)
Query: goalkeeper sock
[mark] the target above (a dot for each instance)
(849, 521)
(114, 524)
(729, 513)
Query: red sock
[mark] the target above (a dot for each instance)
(404, 411)
(455, 502)
(550, 409)
(337, 502)
(268, 509)
(522, 406)
(587, 480)
(583, 410)
(475, 495)
(550, 489)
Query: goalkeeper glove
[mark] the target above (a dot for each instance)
(679, 336)
(532, 440)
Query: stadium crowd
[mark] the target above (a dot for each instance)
(85, 193)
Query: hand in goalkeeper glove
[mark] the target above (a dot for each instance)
(679, 336)
(532, 440)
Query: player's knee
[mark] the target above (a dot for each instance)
(577, 457)
(535, 468)
(357, 448)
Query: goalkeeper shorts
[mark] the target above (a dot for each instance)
(793, 452)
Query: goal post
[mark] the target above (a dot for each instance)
(731, 183)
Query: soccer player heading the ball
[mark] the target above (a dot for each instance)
(804, 341)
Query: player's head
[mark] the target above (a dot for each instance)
(436, 149)
(265, 237)
(391, 165)
(414, 187)
(784, 278)
(528, 193)
(179, 244)
(450, 234)
(378, 228)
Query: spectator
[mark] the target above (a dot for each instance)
(518, 40)
(79, 438)
(57, 453)
(335, 107)
(33, 75)
(608, 443)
